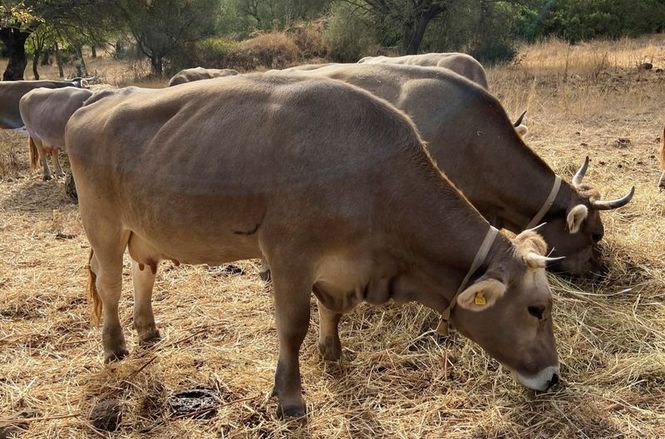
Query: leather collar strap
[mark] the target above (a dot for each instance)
(478, 261)
(548, 203)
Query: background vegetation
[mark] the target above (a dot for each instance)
(246, 34)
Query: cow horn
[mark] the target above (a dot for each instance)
(613, 204)
(519, 120)
(534, 229)
(579, 175)
(534, 260)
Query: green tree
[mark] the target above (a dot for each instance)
(163, 28)
(17, 22)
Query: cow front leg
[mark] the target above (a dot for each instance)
(56, 163)
(108, 283)
(144, 319)
(292, 317)
(330, 346)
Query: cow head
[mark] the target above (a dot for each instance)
(508, 312)
(575, 229)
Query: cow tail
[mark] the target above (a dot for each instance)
(93, 295)
(34, 154)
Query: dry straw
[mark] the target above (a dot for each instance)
(396, 379)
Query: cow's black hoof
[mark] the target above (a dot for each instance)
(265, 275)
(118, 355)
(294, 412)
(47, 178)
(150, 338)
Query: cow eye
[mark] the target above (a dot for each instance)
(537, 311)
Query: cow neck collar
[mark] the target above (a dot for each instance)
(478, 261)
(556, 187)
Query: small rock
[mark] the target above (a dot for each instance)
(645, 66)
(584, 144)
(659, 70)
(106, 415)
(622, 142)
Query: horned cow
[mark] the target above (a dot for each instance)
(354, 209)
(472, 140)
(460, 63)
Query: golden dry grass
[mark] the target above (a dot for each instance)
(395, 379)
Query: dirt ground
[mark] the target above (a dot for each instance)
(397, 379)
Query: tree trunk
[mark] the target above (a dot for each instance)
(414, 31)
(156, 65)
(45, 57)
(35, 63)
(79, 55)
(93, 50)
(58, 61)
(14, 40)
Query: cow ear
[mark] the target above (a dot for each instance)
(576, 216)
(522, 131)
(481, 295)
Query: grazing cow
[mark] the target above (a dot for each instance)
(45, 126)
(474, 144)
(328, 183)
(199, 73)
(11, 93)
(460, 63)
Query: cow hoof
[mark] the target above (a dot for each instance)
(291, 412)
(118, 355)
(47, 178)
(265, 275)
(149, 338)
(330, 350)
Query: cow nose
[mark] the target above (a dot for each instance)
(553, 381)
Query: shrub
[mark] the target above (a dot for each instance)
(274, 50)
(348, 36)
(308, 36)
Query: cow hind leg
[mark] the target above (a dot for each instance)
(291, 295)
(56, 163)
(108, 245)
(144, 319)
(43, 159)
(329, 344)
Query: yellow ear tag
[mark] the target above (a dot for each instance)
(480, 299)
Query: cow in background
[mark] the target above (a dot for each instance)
(199, 73)
(45, 112)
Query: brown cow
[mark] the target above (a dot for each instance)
(474, 143)
(45, 126)
(11, 93)
(460, 63)
(328, 183)
(199, 73)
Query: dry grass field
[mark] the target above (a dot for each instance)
(397, 379)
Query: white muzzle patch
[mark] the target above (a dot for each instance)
(540, 381)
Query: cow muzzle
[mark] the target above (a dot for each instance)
(542, 381)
